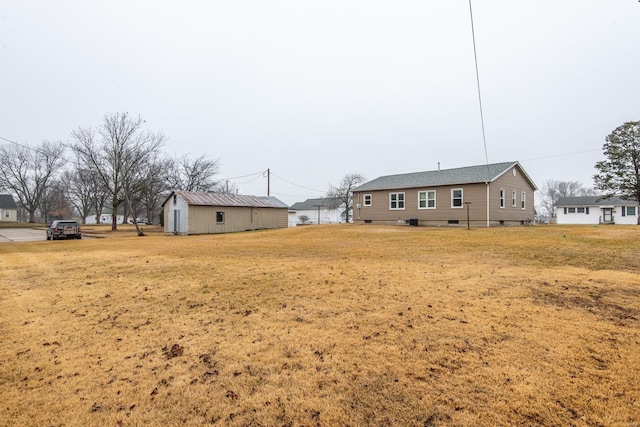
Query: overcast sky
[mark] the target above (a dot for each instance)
(316, 89)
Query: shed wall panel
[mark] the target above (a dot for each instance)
(202, 219)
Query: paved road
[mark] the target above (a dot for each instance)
(21, 235)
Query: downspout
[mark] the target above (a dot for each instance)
(488, 208)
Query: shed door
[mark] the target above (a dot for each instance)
(176, 221)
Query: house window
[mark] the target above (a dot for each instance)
(581, 210)
(366, 200)
(572, 210)
(396, 201)
(631, 211)
(501, 198)
(587, 210)
(426, 200)
(514, 202)
(6, 214)
(523, 201)
(219, 217)
(456, 198)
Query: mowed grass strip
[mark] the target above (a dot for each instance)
(324, 325)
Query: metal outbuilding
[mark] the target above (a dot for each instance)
(209, 213)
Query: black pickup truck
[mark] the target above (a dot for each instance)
(64, 229)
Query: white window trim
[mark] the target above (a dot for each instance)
(514, 198)
(426, 194)
(397, 201)
(503, 195)
(523, 201)
(461, 198)
(364, 200)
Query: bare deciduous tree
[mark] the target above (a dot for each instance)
(553, 189)
(27, 172)
(116, 151)
(85, 191)
(194, 174)
(154, 184)
(55, 203)
(344, 191)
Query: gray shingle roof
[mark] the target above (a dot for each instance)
(7, 202)
(228, 200)
(310, 204)
(594, 201)
(457, 176)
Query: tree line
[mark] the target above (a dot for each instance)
(115, 167)
(118, 166)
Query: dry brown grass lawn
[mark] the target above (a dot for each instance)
(324, 325)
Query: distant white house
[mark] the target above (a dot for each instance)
(319, 211)
(104, 219)
(596, 210)
(8, 208)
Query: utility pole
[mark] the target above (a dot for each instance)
(319, 206)
(268, 182)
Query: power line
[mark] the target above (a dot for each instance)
(244, 176)
(296, 185)
(475, 56)
(251, 180)
(562, 155)
(34, 149)
(18, 144)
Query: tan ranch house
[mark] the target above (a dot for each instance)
(208, 213)
(488, 195)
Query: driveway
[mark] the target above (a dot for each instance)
(22, 235)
